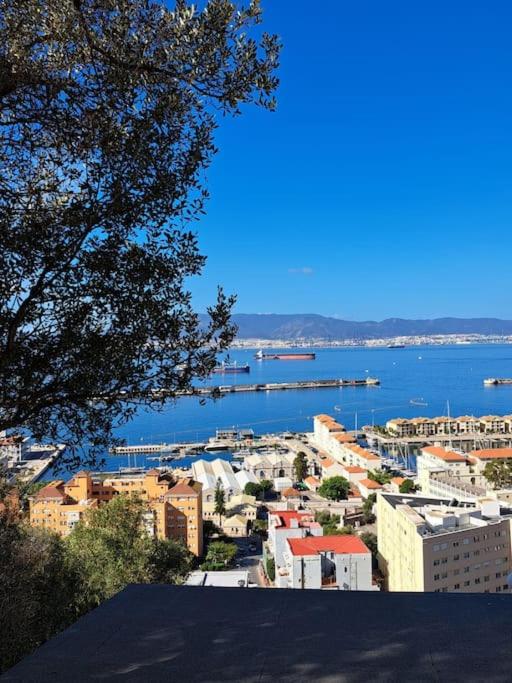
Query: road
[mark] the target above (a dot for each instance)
(248, 559)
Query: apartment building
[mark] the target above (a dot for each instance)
(324, 428)
(443, 426)
(285, 524)
(13, 448)
(174, 510)
(480, 458)
(328, 562)
(424, 544)
(354, 455)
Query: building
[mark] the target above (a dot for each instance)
(354, 473)
(425, 544)
(270, 465)
(480, 458)
(235, 526)
(174, 509)
(355, 455)
(13, 448)
(313, 483)
(324, 428)
(332, 562)
(395, 483)
(331, 468)
(442, 426)
(236, 578)
(209, 473)
(367, 487)
(285, 524)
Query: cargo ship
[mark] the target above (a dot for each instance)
(494, 381)
(230, 368)
(284, 356)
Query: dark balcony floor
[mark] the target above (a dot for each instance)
(167, 633)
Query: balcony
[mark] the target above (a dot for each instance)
(170, 633)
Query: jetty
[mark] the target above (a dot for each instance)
(282, 386)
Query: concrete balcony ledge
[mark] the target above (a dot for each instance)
(170, 633)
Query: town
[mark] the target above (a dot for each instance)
(321, 509)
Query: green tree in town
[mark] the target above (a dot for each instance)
(498, 473)
(220, 501)
(266, 486)
(407, 486)
(335, 488)
(108, 111)
(37, 589)
(169, 561)
(253, 489)
(270, 569)
(300, 466)
(219, 555)
(379, 476)
(370, 541)
(368, 516)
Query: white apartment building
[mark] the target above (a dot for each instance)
(208, 473)
(328, 562)
(285, 524)
(425, 544)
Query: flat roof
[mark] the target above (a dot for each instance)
(157, 633)
(228, 579)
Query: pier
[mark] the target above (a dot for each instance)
(282, 386)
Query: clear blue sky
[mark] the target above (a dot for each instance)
(382, 186)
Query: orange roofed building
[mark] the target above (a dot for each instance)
(174, 510)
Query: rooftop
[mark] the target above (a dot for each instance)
(492, 454)
(235, 634)
(341, 545)
(443, 454)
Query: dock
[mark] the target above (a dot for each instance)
(282, 386)
(461, 442)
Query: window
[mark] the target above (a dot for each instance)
(444, 575)
(436, 577)
(466, 570)
(444, 560)
(456, 557)
(476, 553)
(456, 587)
(466, 583)
(455, 544)
(436, 563)
(465, 541)
(486, 578)
(498, 574)
(466, 556)
(435, 548)
(444, 546)
(477, 581)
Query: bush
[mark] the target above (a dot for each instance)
(270, 569)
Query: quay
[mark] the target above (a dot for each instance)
(283, 386)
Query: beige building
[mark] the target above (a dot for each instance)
(427, 546)
(480, 458)
(442, 426)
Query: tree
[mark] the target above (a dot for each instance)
(334, 488)
(219, 556)
(109, 549)
(220, 501)
(266, 486)
(270, 569)
(252, 489)
(379, 477)
(498, 473)
(370, 541)
(407, 486)
(368, 516)
(108, 111)
(300, 466)
(37, 589)
(169, 561)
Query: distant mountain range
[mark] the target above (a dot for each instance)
(311, 326)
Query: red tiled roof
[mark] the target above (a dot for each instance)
(182, 488)
(50, 492)
(493, 454)
(344, 438)
(327, 462)
(369, 484)
(290, 493)
(311, 480)
(354, 469)
(362, 452)
(286, 516)
(397, 480)
(447, 456)
(341, 545)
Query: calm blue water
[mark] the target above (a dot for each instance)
(434, 374)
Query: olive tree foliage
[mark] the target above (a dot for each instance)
(108, 110)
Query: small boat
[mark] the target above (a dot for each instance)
(396, 346)
(494, 381)
(418, 402)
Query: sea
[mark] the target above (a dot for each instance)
(414, 381)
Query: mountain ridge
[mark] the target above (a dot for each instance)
(314, 326)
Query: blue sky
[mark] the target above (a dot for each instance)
(381, 187)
